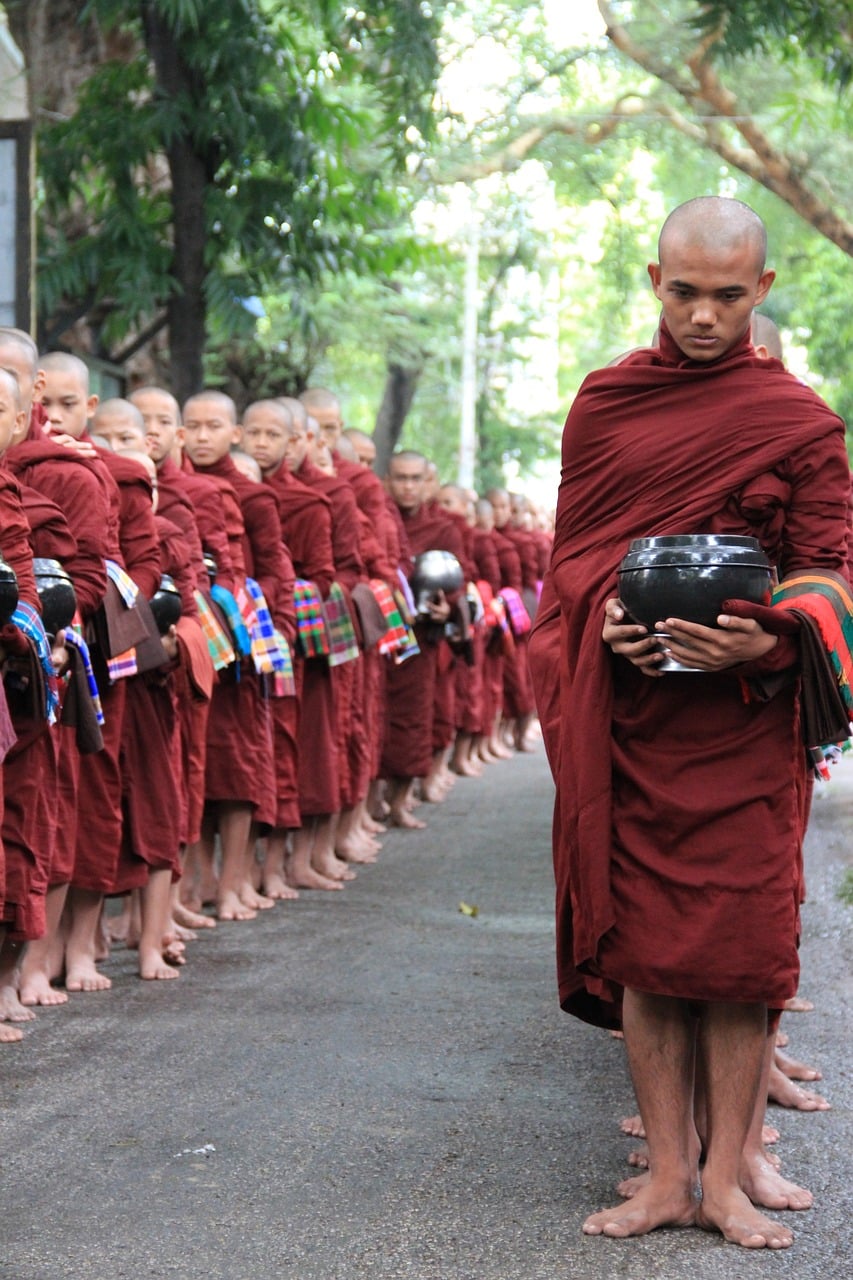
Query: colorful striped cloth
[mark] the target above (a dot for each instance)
(826, 597)
(343, 645)
(396, 634)
(74, 637)
(218, 644)
(122, 665)
(239, 634)
(408, 608)
(270, 650)
(519, 618)
(29, 623)
(312, 637)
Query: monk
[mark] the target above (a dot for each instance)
(468, 672)
(66, 478)
(409, 749)
(133, 548)
(240, 778)
(668, 918)
(303, 763)
(519, 570)
(490, 746)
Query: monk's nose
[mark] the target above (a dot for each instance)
(704, 313)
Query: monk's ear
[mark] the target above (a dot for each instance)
(91, 405)
(655, 276)
(38, 383)
(180, 437)
(761, 351)
(237, 435)
(765, 280)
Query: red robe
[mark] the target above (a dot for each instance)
(679, 820)
(303, 782)
(411, 686)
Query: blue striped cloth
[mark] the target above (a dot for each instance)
(29, 623)
(75, 639)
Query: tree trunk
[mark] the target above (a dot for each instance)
(400, 386)
(187, 309)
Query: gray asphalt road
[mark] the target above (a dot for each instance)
(373, 1084)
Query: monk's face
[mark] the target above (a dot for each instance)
(161, 417)
(67, 402)
(122, 433)
(708, 293)
(500, 509)
(266, 430)
(296, 446)
(455, 503)
(365, 450)
(209, 432)
(17, 360)
(329, 424)
(12, 417)
(407, 483)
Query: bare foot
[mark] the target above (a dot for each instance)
(798, 1004)
(331, 867)
(11, 1009)
(311, 879)
(740, 1222)
(373, 827)
(765, 1186)
(796, 1070)
(402, 818)
(83, 976)
(231, 907)
(785, 1093)
(256, 901)
(186, 918)
(782, 1039)
(633, 1126)
(629, 1187)
(769, 1135)
(38, 990)
(10, 1035)
(276, 887)
(657, 1204)
(639, 1159)
(154, 967)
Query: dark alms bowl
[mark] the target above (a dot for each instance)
(435, 571)
(688, 576)
(166, 605)
(56, 594)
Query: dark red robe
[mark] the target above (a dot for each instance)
(680, 803)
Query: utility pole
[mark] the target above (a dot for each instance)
(16, 188)
(468, 417)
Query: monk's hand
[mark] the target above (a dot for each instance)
(83, 447)
(439, 607)
(170, 643)
(59, 655)
(631, 640)
(731, 642)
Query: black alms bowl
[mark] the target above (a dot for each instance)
(166, 605)
(434, 571)
(688, 576)
(56, 594)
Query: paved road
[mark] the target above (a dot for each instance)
(374, 1085)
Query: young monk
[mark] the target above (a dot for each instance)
(694, 972)
(68, 480)
(240, 779)
(305, 773)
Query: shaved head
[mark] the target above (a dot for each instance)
(714, 223)
(765, 334)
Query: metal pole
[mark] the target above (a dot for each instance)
(468, 418)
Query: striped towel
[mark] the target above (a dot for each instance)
(74, 637)
(827, 599)
(269, 647)
(408, 608)
(123, 664)
(127, 587)
(239, 635)
(219, 646)
(312, 637)
(29, 623)
(396, 635)
(519, 618)
(343, 645)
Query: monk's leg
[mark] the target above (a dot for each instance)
(659, 1038)
(8, 1034)
(235, 825)
(760, 1177)
(399, 797)
(324, 860)
(732, 1047)
(301, 870)
(274, 882)
(11, 1009)
(155, 901)
(83, 908)
(463, 759)
(250, 894)
(37, 966)
(353, 842)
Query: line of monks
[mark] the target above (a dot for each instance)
(256, 673)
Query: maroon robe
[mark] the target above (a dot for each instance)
(411, 685)
(679, 820)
